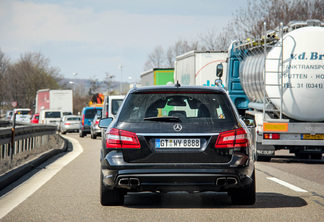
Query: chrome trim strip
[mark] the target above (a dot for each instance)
(177, 134)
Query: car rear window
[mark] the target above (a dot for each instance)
(73, 119)
(90, 113)
(52, 114)
(189, 107)
(23, 112)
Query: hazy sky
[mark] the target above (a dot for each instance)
(91, 37)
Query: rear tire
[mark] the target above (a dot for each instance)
(110, 197)
(244, 196)
(81, 134)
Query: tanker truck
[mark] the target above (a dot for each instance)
(282, 76)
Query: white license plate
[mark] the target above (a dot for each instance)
(177, 143)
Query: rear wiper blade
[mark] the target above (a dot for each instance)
(164, 118)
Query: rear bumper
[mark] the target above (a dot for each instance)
(96, 130)
(176, 177)
(70, 128)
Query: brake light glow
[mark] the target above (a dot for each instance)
(232, 139)
(271, 136)
(116, 138)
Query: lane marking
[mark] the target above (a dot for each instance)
(290, 186)
(15, 197)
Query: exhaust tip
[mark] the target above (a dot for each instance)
(129, 182)
(222, 181)
(134, 182)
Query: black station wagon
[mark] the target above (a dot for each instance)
(177, 138)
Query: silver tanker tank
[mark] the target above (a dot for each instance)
(303, 75)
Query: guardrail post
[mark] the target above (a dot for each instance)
(13, 137)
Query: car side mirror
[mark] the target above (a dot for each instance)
(104, 123)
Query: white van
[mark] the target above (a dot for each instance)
(111, 105)
(50, 117)
(22, 115)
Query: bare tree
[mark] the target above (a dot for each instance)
(4, 66)
(209, 40)
(180, 47)
(109, 83)
(248, 22)
(94, 85)
(31, 73)
(155, 59)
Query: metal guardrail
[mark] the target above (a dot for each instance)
(26, 138)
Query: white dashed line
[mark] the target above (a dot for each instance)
(290, 186)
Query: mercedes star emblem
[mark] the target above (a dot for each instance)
(177, 127)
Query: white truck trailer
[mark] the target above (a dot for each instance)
(54, 100)
(199, 67)
(282, 74)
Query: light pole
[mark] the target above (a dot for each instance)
(74, 83)
(121, 78)
(74, 74)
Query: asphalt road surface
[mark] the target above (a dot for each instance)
(66, 188)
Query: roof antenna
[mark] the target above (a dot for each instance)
(177, 84)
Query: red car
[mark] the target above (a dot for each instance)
(35, 118)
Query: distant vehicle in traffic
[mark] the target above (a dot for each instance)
(70, 123)
(50, 117)
(87, 115)
(22, 115)
(111, 105)
(94, 127)
(8, 115)
(35, 118)
(177, 138)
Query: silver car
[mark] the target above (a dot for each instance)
(94, 127)
(70, 123)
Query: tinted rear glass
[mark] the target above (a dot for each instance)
(52, 114)
(23, 112)
(73, 119)
(90, 113)
(189, 107)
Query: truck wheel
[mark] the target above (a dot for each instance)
(244, 196)
(110, 197)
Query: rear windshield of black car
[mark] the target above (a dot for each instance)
(186, 107)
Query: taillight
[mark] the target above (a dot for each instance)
(116, 138)
(232, 139)
(67, 124)
(97, 122)
(271, 136)
(82, 122)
